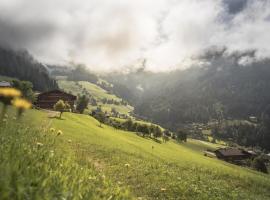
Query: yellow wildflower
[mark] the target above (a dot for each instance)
(69, 141)
(127, 165)
(59, 132)
(21, 103)
(10, 92)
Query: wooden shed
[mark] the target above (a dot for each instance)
(232, 154)
(47, 100)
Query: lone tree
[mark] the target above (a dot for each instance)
(82, 103)
(101, 117)
(157, 132)
(181, 135)
(61, 106)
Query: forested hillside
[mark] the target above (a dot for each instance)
(21, 65)
(198, 94)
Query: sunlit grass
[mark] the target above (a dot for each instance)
(35, 163)
(180, 169)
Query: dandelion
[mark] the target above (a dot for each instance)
(21, 103)
(10, 92)
(127, 165)
(59, 132)
(6, 95)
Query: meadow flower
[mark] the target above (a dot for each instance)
(69, 141)
(21, 103)
(59, 132)
(163, 189)
(92, 178)
(127, 165)
(10, 92)
(39, 144)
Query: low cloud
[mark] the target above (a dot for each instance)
(113, 35)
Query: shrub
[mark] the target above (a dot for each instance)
(82, 103)
(259, 164)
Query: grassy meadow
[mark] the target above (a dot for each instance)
(97, 92)
(92, 162)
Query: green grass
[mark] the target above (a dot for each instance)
(35, 163)
(156, 170)
(97, 92)
(179, 168)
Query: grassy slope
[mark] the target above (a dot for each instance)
(181, 170)
(35, 163)
(97, 92)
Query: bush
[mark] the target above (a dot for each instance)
(259, 164)
(82, 103)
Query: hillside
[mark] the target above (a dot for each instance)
(21, 65)
(192, 95)
(95, 92)
(148, 169)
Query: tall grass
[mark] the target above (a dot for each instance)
(33, 167)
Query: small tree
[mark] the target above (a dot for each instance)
(157, 132)
(82, 103)
(165, 138)
(181, 136)
(259, 164)
(101, 117)
(61, 106)
(128, 124)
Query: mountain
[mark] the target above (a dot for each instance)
(21, 65)
(199, 94)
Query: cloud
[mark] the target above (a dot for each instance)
(117, 34)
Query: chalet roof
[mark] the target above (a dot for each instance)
(57, 91)
(231, 152)
(5, 84)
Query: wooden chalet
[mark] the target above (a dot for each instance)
(47, 100)
(232, 154)
(5, 84)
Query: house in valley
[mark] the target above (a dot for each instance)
(47, 100)
(4, 84)
(232, 154)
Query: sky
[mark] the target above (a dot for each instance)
(109, 35)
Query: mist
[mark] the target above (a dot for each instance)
(117, 35)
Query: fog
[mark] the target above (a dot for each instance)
(119, 34)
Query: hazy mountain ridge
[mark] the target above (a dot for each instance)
(191, 95)
(21, 65)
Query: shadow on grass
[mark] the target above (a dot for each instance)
(56, 117)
